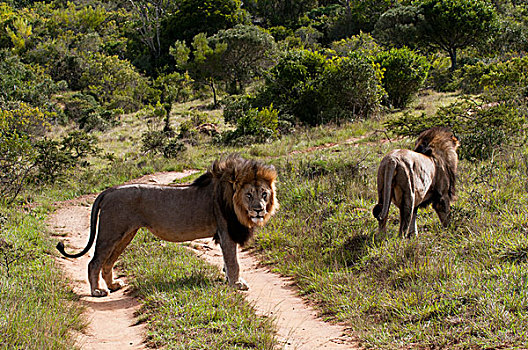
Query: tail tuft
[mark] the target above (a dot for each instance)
(376, 211)
(60, 248)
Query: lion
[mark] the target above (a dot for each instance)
(227, 202)
(415, 179)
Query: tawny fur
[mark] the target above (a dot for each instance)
(233, 197)
(413, 179)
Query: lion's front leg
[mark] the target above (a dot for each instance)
(232, 269)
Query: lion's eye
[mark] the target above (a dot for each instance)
(264, 195)
(249, 195)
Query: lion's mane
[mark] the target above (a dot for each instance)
(441, 144)
(230, 174)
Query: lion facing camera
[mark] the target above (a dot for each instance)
(415, 179)
(228, 202)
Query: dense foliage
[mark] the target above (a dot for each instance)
(404, 72)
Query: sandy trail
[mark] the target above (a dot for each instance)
(298, 326)
(112, 321)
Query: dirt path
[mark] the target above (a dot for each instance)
(112, 322)
(298, 326)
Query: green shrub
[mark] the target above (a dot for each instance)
(292, 78)
(440, 76)
(161, 142)
(404, 73)
(507, 80)
(363, 42)
(19, 126)
(87, 112)
(317, 89)
(254, 126)
(55, 158)
(24, 82)
(349, 88)
(469, 78)
(114, 82)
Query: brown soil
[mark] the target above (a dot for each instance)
(113, 324)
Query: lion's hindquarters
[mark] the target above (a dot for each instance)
(404, 178)
(168, 212)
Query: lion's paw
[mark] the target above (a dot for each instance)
(100, 292)
(241, 284)
(116, 284)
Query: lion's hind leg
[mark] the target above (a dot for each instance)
(109, 238)
(413, 229)
(107, 273)
(94, 270)
(407, 215)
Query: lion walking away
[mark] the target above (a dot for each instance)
(415, 179)
(228, 202)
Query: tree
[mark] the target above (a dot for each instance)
(398, 26)
(205, 66)
(450, 25)
(356, 17)
(201, 16)
(149, 15)
(173, 87)
(248, 52)
(283, 12)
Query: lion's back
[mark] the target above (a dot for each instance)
(172, 213)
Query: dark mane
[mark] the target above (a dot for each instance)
(225, 174)
(441, 144)
(203, 180)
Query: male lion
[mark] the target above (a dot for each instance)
(233, 197)
(414, 179)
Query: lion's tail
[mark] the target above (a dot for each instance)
(93, 230)
(385, 199)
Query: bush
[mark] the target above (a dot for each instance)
(161, 142)
(254, 126)
(469, 78)
(23, 82)
(236, 107)
(317, 89)
(440, 76)
(350, 88)
(114, 82)
(55, 158)
(87, 112)
(19, 125)
(404, 74)
(362, 42)
(507, 80)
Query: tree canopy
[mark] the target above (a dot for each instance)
(451, 25)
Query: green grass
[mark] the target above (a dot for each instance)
(186, 302)
(37, 309)
(461, 287)
(464, 287)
